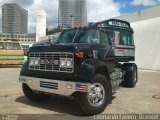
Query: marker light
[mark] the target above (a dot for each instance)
(98, 25)
(79, 54)
(91, 24)
(69, 86)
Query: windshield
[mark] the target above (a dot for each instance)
(87, 36)
(79, 36)
(66, 37)
(12, 46)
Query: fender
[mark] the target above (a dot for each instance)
(25, 70)
(90, 67)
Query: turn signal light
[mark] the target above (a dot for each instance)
(98, 25)
(79, 54)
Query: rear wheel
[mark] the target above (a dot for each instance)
(96, 100)
(131, 77)
(34, 95)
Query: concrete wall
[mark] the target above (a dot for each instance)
(145, 14)
(146, 24)
(147, 41)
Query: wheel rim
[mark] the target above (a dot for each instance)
(96, 94)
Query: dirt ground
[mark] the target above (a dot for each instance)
(143, 99)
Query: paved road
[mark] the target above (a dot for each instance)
(138, 100)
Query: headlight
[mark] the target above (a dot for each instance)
(31, 61)
(69, 63)
(34, 61)
(66, 62)
(62, 62)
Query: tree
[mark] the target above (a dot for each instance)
(53, 30)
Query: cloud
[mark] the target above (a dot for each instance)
(51, 8)
(144, 2)
(24, 3)
(97, 10)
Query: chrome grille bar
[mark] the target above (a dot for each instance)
(50, 56)
(49, 85)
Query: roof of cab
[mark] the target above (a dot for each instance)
(116, 23)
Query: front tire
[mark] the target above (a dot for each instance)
(34, 96)
(98, 98)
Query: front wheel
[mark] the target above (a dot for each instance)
(33, 95)
(99, 96)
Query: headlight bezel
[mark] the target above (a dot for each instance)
(34, 61)
(65, 61)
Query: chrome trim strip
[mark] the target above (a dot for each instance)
(61, 89)
(125, 46)
(54, 52)
(55, 71)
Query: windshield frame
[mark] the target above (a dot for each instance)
(75, 35)
(93, 35)
(58, 39)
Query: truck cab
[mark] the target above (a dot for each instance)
(88, 63)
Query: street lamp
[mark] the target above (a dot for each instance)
(13, 23)
(71, 20)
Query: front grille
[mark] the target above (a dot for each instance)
(51, 61)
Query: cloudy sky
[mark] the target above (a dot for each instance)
(97, 9)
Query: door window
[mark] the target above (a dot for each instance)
(12, 46)
(1, 46)
(126, 38)
(104, 38)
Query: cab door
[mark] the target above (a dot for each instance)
(107, 53)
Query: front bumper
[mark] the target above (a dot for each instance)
(66, 88)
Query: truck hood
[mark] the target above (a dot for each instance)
(72, 47)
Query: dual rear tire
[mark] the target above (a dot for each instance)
(131, 76)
